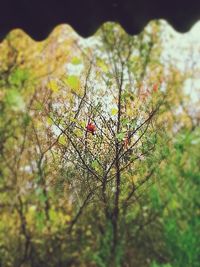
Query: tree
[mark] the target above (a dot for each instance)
(76, 197)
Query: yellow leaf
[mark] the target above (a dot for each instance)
(114, 111)
(129, 111)
(68, 218)
(88, 232)
(53, 86)
(83, 124)
(78, 133)
(73, 81)
(62, 140)
(49, 121)
(100, 63)
(76, 61)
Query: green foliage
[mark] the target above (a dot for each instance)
(73, 81)
(76, 61)
(181, 218)
(155, 198)
(103, 256)
(161, 265)
(18, 78)
(15, 100)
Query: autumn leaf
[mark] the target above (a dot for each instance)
(73, 81)
(155, 87)
(76, 61)
(100, 63)
(53, 86)
(114, 111)
(62, 140)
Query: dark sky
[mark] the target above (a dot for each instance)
(39, 17)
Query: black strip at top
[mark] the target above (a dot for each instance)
(39, 17)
